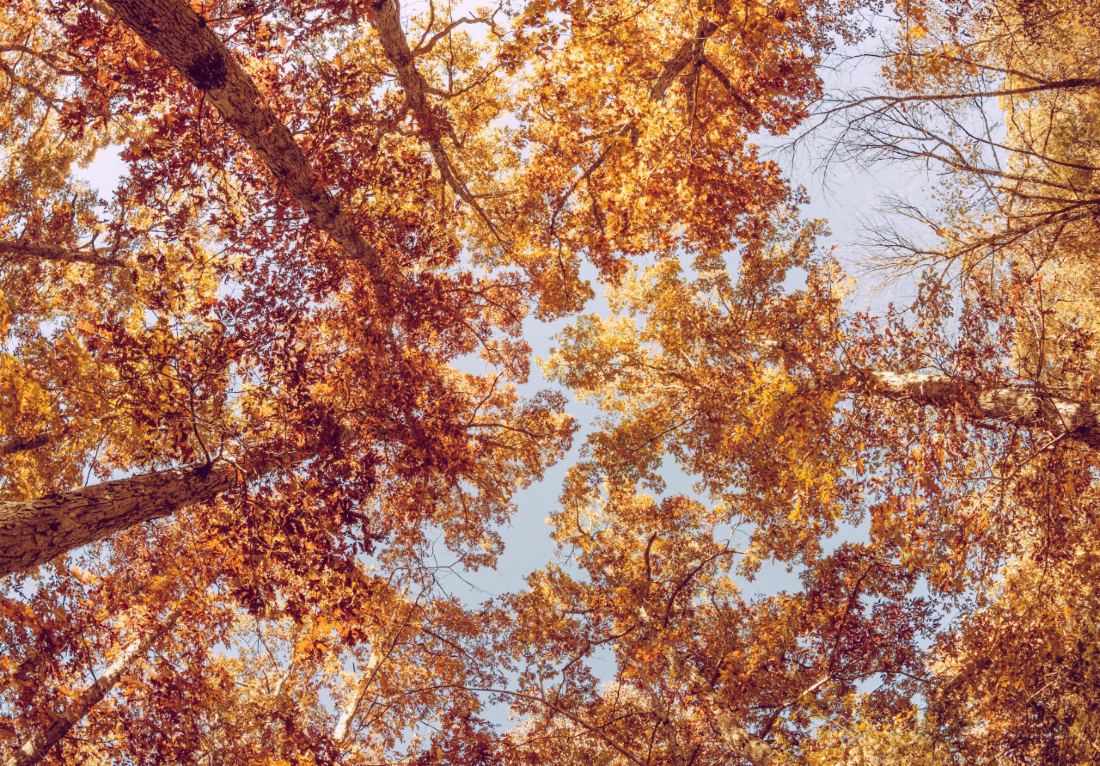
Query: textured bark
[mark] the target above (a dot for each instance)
(29, 251)
(689, 54)
(15, 444)
(34, 531)
(37, 747)
(179, 34)
(1014, 405)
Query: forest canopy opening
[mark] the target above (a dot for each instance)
(271, 394)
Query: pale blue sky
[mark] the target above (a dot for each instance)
(848, 197)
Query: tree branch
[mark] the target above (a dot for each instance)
(25, 251)
(386, 20)
(179, 34)
(1014, 405)
(37, 747)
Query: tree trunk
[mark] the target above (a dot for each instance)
(29, 251)
(342, 729)
(14, 444)
(34, 531)
(35, 748)
(688, 54)
(179, 34)
(386, 20)
(1011, 405)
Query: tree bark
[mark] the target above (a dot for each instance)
(181, 35)
(36, 747)
(28, 251)
(14, 444)
(691, 52)
(386, 20)
(34, 531)
(1014, 405)
(342, 729)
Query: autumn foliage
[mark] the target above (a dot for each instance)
(265, 402)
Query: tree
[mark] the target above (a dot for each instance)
(798, 422)
(280, 374)
(35, 749)
(302, 385)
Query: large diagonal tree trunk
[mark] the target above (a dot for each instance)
(177, 32)
(36, 747)
(1009, 405)
(35, 531)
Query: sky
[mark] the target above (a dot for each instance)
(849, 197)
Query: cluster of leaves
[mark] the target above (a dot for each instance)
(296, 329)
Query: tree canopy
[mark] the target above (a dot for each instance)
(253, 393)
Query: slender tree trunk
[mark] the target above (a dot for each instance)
(343, 724)
(284, 678)
(29, 251)
(177, 32)
(1011, 405)
(342, 729)
(35, 748)
(34, 531)
(386, 20)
